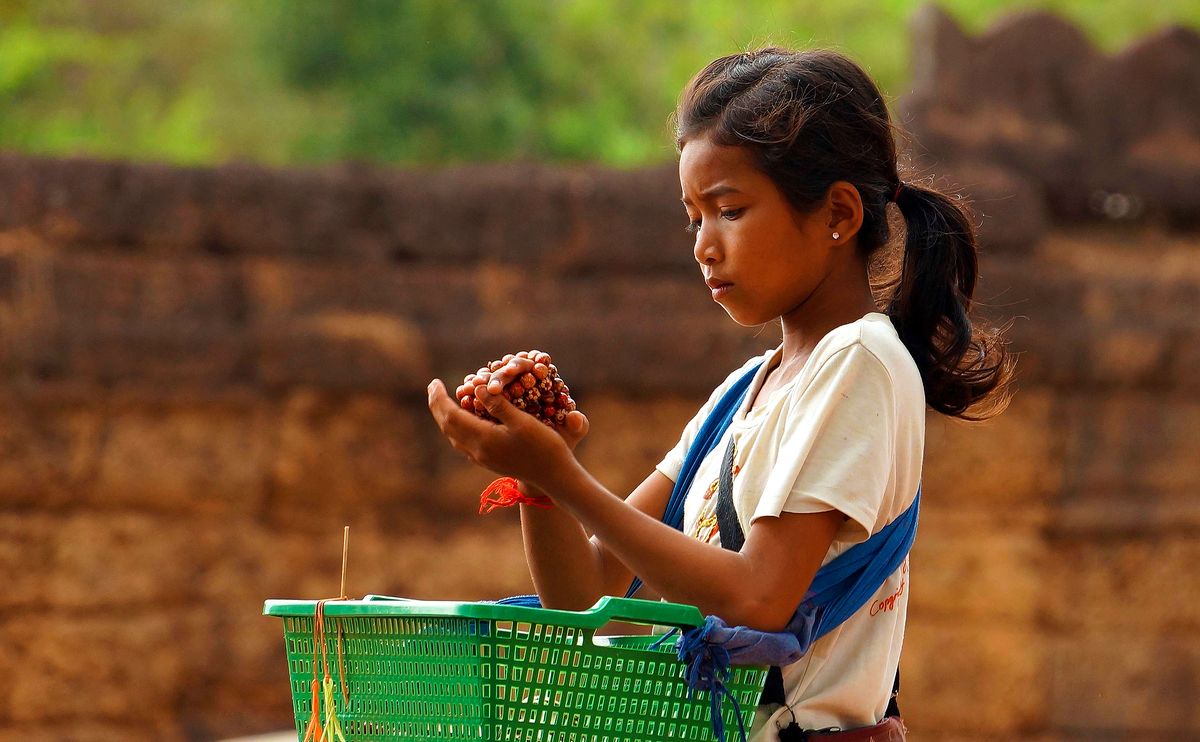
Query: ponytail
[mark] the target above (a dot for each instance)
(966, 368)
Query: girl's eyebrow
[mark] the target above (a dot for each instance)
(720, 189)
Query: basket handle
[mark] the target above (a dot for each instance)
(634, 610)
(608, 608)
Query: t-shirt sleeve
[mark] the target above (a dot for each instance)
(836, 443)
(672, 463)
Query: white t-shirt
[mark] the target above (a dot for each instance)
(848, 434)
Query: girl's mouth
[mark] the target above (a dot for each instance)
(719, 288)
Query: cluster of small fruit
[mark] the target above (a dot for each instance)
(539, 391)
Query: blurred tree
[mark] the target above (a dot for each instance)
(431, 81)
(140, 79)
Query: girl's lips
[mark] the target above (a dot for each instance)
(720, 289)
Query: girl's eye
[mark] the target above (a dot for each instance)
(727, 214)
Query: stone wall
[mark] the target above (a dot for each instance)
(209, 371)
(1089, 135)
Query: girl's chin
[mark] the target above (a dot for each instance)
(744, 318)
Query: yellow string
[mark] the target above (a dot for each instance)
(333, 727)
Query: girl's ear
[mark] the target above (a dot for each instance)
(845, 210)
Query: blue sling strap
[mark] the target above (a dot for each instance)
(706, 440)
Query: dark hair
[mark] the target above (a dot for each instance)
(812, 118)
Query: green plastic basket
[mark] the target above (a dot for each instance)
(419, 670)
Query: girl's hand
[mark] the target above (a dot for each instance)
(519, 446)
(576, 426)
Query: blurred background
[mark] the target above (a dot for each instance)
(238, 239)
(426, 82)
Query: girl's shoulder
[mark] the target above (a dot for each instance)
(875, 334)
(866, 352)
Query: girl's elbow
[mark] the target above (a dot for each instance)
(567, 600)
(764, 613)
(775, 620)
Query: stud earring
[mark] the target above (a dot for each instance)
(836, 235)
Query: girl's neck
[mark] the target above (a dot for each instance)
(844, 297)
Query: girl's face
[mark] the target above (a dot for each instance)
(760, 257)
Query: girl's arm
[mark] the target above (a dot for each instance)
(760, 586)
(571, 571)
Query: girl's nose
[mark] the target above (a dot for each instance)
(705, 250)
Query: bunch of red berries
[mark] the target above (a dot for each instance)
(539, 391)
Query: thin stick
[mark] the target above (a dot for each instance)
(345, 555)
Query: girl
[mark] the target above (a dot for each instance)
(787, 166)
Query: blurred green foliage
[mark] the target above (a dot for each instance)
(425, 81)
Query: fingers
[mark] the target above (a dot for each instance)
(577, 423)
(499, 407)
(512, 370)
(439, 402)
(455, 423)
(576, 427)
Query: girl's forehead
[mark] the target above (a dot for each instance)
(704, 165)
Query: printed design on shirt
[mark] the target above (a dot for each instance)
(706, 529)
(888, 603)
